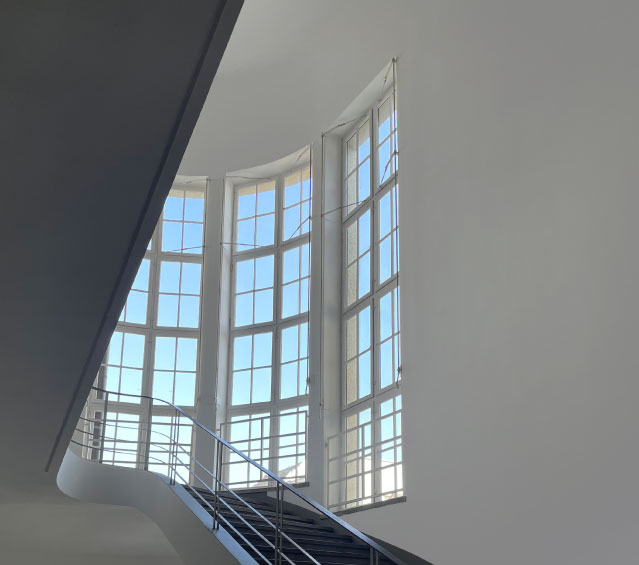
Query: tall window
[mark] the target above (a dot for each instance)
(268, 392)
(154, 350)
(371, 438)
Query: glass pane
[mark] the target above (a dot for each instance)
(261, 385)
(352, 190)
(189, 311)
(167, 310)
(131, 383)
(266, 199)
(246, 202)
(364, 232)
(364, 374)
(170, 276)
(244, 309)
(304, 339)
(184, 391)
(265, 230)
(262, 349)
(386, 364)
(290, 344)
(173, 208)
(290, 299)
(364, 333)
(165, 353)
(263, 306)
(191, 276)
(136, 307)
(384, 215)
(384, 260)
(245, 235)
(133, 351)
(241, 387)
(291, 223)
(351, 381)
(385, 168)
(306, 184)
(305, 256)
(384, 119)
(194, 209)
(242, 352)
(186, 354)
(163, 385)
(351, 242)
(351, 154)
(292, 189)
(244, 275)
(264, 272)
(385, 317)
(192, 238)
(351, 284)
(171, 236)
(364, 142)
(289, 380)
(364, 181)
(304, 295)
(364, 285)
(291, 267)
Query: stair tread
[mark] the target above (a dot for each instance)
(318, 540)
(306, 536)
(234, 502)
(292, 524)
(359, 551)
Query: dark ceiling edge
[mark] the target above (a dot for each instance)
(213, 49)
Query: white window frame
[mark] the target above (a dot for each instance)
(377, 290)
(151, 330)
(276, 405)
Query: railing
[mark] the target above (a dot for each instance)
(364, 463)
(277, 442)
(99, 434)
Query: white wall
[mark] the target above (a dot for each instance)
(186, 525)
(519, 132)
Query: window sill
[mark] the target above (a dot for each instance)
(397, 500)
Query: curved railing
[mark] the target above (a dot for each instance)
(173, 456)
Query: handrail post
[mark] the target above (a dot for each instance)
(172, 451)
(277, 527)
(218, 478)
(147, 454)
(215, 483)
(104, 424)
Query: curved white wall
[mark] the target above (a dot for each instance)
(519, 131)
(184, 523)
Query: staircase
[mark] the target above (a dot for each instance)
(309, 534)
(270, 529)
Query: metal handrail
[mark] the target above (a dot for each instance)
(375, 549)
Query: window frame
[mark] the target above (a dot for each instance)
(377, 289)
(277, 323)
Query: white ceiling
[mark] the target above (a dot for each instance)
(290, 69)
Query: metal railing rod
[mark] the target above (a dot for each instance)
(241, 519)
(318, 507)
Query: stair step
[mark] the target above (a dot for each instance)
(308, 536)
(295, 526)
(260, 506)
(265, 511)
(334, 558)
(320, 541)
(313, 549)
